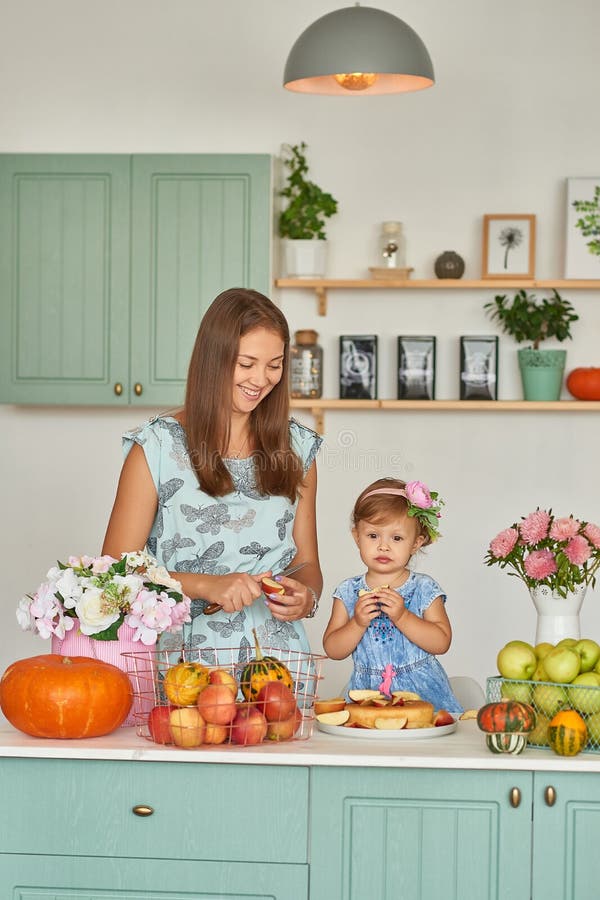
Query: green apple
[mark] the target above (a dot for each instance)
(549, 698)
(593, 727)
(517, 660)
(516, 690)
(567, 642)
(539, 734)
(543, 649)
(590, 653)
(583, 694)
(562, 664)
(540, 673)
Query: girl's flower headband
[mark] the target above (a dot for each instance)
(421, 503)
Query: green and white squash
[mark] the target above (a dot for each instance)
(506, 742)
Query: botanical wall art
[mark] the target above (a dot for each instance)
(508, 246)
(583, 228)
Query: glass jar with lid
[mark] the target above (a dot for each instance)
(306, 365)
(392, 245)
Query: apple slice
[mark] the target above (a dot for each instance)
(382, 587)
(443, 717)
(270, 586)
(334, 718)
(357, 695)
(333, 704)
(380, 701)
(406, 695)
(469, 714)
(398, 701)
(391, 724)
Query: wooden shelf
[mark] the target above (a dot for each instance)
(317, 407)
(321, 285)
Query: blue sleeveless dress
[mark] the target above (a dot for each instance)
(382, 644)
(244, 531)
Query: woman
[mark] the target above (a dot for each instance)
(223, 492)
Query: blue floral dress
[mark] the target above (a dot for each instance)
(383, 644)
(244, 531)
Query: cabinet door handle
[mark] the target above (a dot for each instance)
(118, 388)
(142, 810)
(515, 797)
(550, 796)
(137, 389)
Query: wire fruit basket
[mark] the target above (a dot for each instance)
(548, 698)
(177, 707)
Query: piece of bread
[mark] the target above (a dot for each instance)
(418, 713)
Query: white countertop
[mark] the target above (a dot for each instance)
(464, 749)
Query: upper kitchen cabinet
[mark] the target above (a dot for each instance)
(107, 264)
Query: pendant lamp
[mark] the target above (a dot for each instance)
(358, 51)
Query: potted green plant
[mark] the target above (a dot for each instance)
(528, 319)
(302, 221)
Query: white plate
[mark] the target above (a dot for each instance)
(383, 734)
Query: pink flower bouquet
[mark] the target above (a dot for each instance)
(100, 593)
(543, 549)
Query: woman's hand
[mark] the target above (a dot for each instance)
(233, 592)
(366, 608)
(295, 604)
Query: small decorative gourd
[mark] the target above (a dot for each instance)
(184, 682)
(507, 724)
(567, 733)
(260, 670)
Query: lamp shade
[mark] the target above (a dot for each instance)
(358, 51)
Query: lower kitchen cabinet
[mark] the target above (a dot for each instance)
(419, 834)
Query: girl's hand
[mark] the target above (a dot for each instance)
(367, 608)
(295, 604)
(234, 591)
(392, 603)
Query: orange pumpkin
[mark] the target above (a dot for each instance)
(584, 383)
(56, 696)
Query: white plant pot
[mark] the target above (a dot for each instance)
(305, 258)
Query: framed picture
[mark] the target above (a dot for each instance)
(582, 258)
(508, 246)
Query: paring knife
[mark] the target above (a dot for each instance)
(215, 607)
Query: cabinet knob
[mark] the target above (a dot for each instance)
(118, 388)
(142, 810)
(550, 796)
(137, 389)
(515, 797)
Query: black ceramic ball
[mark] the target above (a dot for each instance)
(449, 265)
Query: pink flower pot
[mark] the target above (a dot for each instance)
(77, 644)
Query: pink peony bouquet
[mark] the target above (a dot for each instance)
(543, 549)
(100, 593)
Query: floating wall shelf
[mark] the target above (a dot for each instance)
(321, 285)
(317, 407)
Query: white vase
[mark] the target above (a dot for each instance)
(557, 617)
(305, 258)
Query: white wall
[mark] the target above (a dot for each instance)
(513, 113)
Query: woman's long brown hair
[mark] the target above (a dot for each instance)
(208, 398)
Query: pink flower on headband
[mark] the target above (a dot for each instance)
(418, 494)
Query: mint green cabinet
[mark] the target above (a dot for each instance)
(107, 264)
(566, 861)
(417, 834)
(69, 828)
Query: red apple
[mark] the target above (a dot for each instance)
(286, 729)
(275, 701)
(222, 676)
(443, 717)
(187, 726)
(270, 586)
(215, 734)
(249, 725)
(158, 724)
(216, 704)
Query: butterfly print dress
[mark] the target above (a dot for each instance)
(244, 531)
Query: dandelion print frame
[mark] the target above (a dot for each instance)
(582, 259)
(508, 246)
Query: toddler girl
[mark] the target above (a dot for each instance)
(390, 619)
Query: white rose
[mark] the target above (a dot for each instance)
(129, 587)
(159, 575)
(91, 616)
